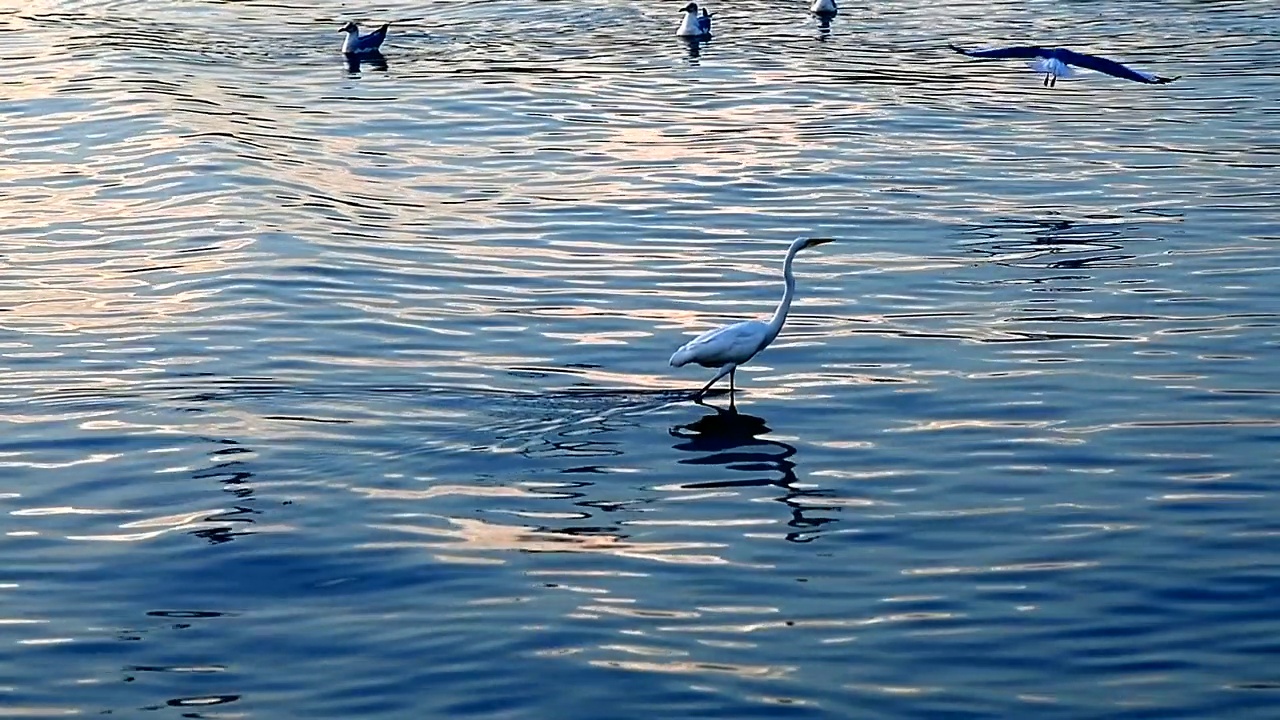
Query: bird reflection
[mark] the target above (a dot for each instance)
(374, 60)
(235, 477)
(735, 441)
(693, 46)
(1057, 244)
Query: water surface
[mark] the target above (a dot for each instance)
(341, 391)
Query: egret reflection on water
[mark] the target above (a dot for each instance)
(737, 442)
(725, 348)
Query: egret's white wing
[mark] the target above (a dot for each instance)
(735, 343)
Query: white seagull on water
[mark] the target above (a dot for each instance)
(823, 7)
(1056, 62)
(694, 25)
(355, 44)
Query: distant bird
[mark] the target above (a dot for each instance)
(725, 348)
(355, 44)
(1055, 62)
(694, 26)
(824, 7)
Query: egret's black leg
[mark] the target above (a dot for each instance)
(732, 389)
(1046, 79)
(698, 396)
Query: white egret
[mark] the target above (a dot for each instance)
(725, 348)
(1056, 62)
(355, 44)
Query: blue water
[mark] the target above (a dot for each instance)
(338, 391)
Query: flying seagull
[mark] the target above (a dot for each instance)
(355, 44)
(1056, 62)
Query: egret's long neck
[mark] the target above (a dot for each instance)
(780, 315)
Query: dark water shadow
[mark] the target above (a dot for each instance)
(235, 476)
(824, 24)
(693, 47)
(1061, 244)
(356, 61)
(735, 441)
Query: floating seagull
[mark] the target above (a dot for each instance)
(824, 7)
(355, 44)
(1055, 62)
(694, 26)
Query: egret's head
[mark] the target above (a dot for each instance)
(691, 8)
(814, 242)
(350, 27)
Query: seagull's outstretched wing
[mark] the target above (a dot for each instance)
(1020, 51)
(1111, 67)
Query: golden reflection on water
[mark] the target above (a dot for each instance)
(472, 535)
(101, 289)
(444, 489)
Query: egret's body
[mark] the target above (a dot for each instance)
(823, 7)
(694, 26)
(725, 348)
(1056, 63)
(354, 44)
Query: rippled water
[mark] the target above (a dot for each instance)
(342, 391)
